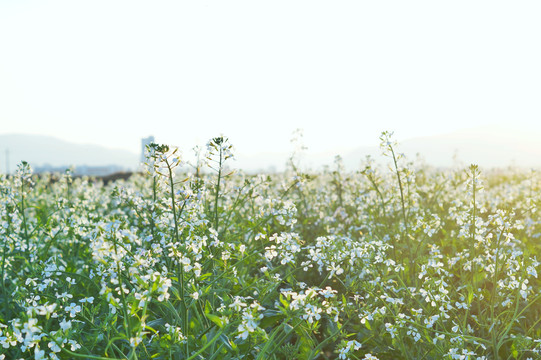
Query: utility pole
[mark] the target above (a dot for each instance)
(7, 161)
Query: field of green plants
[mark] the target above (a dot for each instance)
(198, 262)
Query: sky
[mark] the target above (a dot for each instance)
(112, 72)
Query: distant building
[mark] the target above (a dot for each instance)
(144, 142)
(98, 170)
(80, 170)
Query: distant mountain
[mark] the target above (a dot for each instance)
(488, 147)
(40, 151)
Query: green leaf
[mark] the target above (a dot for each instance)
(225, 340)
(367, 324)
(284, 302)
(514, 351)
(270, 320)
(216, 319)
(470, 295)
(205, 276)
(288, 328)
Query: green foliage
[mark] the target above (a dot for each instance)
(400, 263)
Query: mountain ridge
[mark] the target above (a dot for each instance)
(488, 147)
(44, 150)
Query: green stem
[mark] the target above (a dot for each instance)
(4, 291)
(126, 322)
(495, 342)
(212, 341)
(180, 269)
(404, 214)
(217, 195)
(23, 213)
(472, 243)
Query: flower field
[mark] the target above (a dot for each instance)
(198, 262)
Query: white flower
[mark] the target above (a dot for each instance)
(334, 269)
(54, 347)
(39, 354)
(65, 325)
(244, 331)
(328, 292)
(390, 329)
(312, 312)
(347, 348)
(370, 357)
(46, 309)
(135, 341)
(74, 345)
(73, 309)
(237, 304)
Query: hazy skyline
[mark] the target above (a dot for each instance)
(109, 73)
(488, 147)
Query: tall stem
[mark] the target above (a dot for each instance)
(473, 231)
(404, 214)
(173, 207)
(126, 322)
(494, 298)
(217, 195)
(153, 210)
(473, 220)
(180, 268)
(382, 199)
(4, 291)
(23, 212)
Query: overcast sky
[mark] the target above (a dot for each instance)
(111, 72)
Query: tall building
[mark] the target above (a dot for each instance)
(144, 142)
